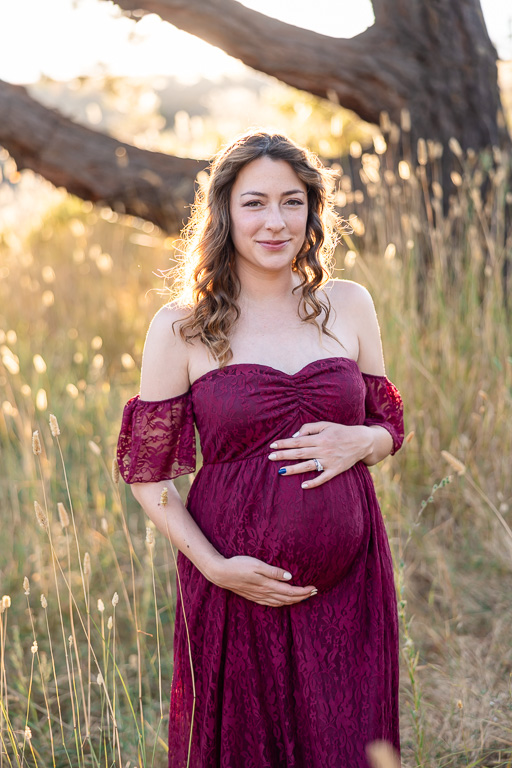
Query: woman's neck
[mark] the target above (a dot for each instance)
(266, 288)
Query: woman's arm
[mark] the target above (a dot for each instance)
(165, 375)
(175, 522)
(379, 442)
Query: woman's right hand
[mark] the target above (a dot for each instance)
(257, 581)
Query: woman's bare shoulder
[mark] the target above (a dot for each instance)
(356, 302)
(169, 318)
(166, 355)
(348, 294)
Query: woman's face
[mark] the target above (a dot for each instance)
(269, 211)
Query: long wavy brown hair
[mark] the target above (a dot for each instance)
(206, 281)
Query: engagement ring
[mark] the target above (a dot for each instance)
(319, 467)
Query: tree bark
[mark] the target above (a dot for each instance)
(94, 166)
(431, 57)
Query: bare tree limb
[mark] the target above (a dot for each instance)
(360, 72)
(94, 166)
(432, 57)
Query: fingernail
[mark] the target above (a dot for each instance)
(287, 575)
(282, 471)
(313, 592)
(304, 485)
(273, 445)
(271, 455)
(295, 435)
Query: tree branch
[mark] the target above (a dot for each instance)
(94, 166)
(362, 73)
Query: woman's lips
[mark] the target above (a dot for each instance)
(273, 245)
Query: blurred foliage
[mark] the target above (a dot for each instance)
(193, 120)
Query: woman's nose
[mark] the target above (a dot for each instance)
(274, 221)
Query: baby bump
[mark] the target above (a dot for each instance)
(250, 510)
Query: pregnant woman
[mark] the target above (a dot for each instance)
(288, 609)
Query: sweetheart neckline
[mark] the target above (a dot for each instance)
(284, 373)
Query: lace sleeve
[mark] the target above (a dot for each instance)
(157, 439)
(383, 406)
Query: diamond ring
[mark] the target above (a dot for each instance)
(318, 465)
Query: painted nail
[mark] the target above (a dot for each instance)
(282, 471)
(273, 445)
(272, 455)
(295, 435)
(313, 592)
(287, 575)
(304, 485)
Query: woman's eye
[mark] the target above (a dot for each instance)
(252, 204)
(295, 202)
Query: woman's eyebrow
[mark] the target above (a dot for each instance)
(263, 194)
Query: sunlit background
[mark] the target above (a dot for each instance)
(78, 286)
(90, 37)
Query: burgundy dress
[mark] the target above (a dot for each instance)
(301, 686)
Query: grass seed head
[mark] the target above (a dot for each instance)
(150, 538)
(164, 496)
(115, 471)
(44, 602)
(6, 602)
(34, 647)
(95, 448)
(36, 443)
(101, 605)
(110, 622)
(28, 733)
(54, 426)
(115, 599)
(455, 147)
(382, 755)
(41, 515)
(422, 152)
(87, 564)
(63, 514)
(454, 463)
(26, 585)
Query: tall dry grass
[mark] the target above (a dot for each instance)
(87, 617)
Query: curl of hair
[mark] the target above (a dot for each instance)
(206, 281)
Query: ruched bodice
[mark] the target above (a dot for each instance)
(302, 686)
(240, 409)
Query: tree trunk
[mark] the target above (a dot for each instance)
(93, 166)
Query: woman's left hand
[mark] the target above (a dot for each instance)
(336, 446)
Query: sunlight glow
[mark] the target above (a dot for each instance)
(65, 39)
(92, 37)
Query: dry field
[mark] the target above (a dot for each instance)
(89, 593)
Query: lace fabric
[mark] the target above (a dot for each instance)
(384, 407)
(157, 439)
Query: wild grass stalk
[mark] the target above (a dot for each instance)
(150, 543)
(138, 630)
(64, 519)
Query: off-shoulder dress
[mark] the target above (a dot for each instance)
(301, 686)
